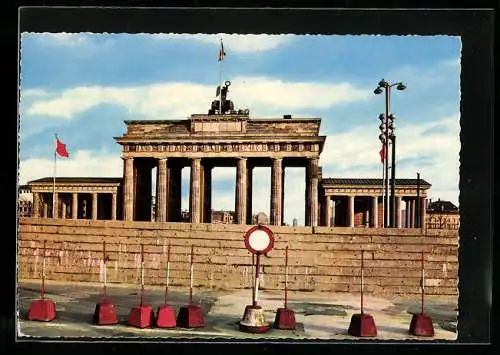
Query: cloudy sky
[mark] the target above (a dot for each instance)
(83, 86)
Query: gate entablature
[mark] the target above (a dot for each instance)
(221, 136)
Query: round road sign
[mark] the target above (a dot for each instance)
(259, 240)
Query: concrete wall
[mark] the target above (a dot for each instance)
(320, 258)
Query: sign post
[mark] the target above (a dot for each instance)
(191, 316)
(105, 313)
(285, 317)
(362, 324)
(141, 316)
(166, 314)
(42, 309)
(259, 240)
(421, 324)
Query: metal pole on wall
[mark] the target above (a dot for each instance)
(389, 218)
(54, 183)
(417, 205)
(386, 201)
(191, 275)
(383, 195)
(393, 182)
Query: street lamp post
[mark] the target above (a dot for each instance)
(388, 134)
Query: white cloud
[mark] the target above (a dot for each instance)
(33, 93)
(223, 200)
(268, 96)
(276, 94)
(431, 148)
(82, 163)
(233, 42)
(224, 173)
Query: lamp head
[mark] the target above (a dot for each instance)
(382, 83)
(377, 91)
(401, 86)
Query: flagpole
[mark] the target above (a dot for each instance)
(54, 183)
(387, 219)
(383, 194)
(221, 60)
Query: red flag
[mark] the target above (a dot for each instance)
(222, 54)
(61, 148)
(382, 154)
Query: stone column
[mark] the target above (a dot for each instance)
(241, 191)
(282, 193)
(326, 210)
(113, 206)
(55, 209)
(45, 209)
(161, 191)
(128, 189)
(63, 209)
(94, 206)
(207, 193)
(276, 192)
(202, 192)
(36, 205)
(194, 195)
(374, 211)
(350, 211)
(74, 206)
(398, 211)
(423, 209)
(307, 192)
(312, 195)
(249, 193)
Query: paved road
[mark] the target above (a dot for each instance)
(318, 315)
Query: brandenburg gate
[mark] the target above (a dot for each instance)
(205, 141)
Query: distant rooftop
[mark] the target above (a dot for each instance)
(78, 180)
(442, 206)
(372, 182)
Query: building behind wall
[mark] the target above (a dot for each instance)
(77, 198)
(260, 218)
(358, 202)
(25, 201)
(225, 217)
(442, 215)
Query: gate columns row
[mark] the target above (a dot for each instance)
(374, 213)
(168, 190)
(47, 200)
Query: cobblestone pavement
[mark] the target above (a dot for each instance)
(318, 315)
